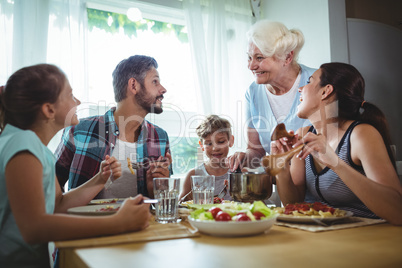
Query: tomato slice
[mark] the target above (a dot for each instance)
(258, 215)
(223, 216)
(214, 211)
(243, 217)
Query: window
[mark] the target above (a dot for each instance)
(112, 36)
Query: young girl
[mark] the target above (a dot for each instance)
(215, 140)
(346, 161)
(35, 104)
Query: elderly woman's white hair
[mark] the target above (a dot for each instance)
(274, 39)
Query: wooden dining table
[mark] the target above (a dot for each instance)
(378, 245)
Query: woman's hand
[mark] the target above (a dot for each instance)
(133, 215)
(110, 166)
(317, 146)
(283, 144)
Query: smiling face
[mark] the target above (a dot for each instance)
(311, 96)
(216, 146)
(66, 107)
(265, 69)
(150, 95)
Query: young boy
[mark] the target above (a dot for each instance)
(215, 140)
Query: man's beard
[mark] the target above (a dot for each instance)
(148, 103)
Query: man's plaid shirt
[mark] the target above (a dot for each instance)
(85, 146)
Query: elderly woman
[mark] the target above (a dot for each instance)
(273, 97)
(346, 160)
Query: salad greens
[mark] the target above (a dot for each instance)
(261, 207)
(233, 209)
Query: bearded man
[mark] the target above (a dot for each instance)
(121, 132)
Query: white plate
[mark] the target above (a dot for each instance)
(233, 228)
(310, 219)
(93, 210)
(107, 201)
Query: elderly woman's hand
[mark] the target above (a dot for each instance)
(234, 161)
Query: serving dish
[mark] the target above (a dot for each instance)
(233, 228)
(312, 219)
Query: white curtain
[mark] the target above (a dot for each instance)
(6, 39)
(67, 42)
(217, 33)
(44, 31)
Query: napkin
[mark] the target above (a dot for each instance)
(350, 222)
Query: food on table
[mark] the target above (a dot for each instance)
(232, 211)
(258, 215)
(316, 209)
(110, 201)
(130, 167)
(214, 211)
(186, 203)
(223, 216)
(217, 200)
(243, 217)
(108, 208)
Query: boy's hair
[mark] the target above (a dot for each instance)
(212, 124)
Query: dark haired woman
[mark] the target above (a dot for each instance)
(346, 161)
(35, 104)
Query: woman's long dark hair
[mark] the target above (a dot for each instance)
(349, 88)
(26, 91)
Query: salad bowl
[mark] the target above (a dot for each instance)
(233, 228)
(241, 219)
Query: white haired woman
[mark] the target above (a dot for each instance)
(273, 97)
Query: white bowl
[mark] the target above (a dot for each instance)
(233, 228)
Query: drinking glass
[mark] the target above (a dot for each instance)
(203, 189)
(166, 191)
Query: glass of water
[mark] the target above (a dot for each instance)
(203, 189)
(166, 191)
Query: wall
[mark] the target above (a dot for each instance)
(312, 18)
(374, 42)
(375, 50)
(384, 11)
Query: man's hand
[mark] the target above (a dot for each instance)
(158, 169)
